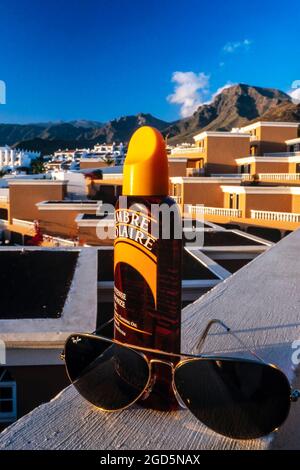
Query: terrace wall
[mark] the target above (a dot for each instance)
(24, 196)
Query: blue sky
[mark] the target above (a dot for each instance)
(101, 59)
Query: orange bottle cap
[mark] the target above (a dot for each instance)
(146, 164)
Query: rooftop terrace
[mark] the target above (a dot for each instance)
(260, 303)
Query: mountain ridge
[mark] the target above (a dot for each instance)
(234, 106)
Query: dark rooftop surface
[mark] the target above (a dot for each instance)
(35, 284)
(96, 217)
(227, 238)
(191, 268)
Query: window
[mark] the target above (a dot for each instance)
(231, 201)
(177, 190)
(8, 402)
(3, 214)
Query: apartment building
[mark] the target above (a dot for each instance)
(14, 158)
(214, 152)
(200, 190)
(68, 206)
(277, 169)
(270, 137)
(293, 145)
(220, 149)
(261, 205)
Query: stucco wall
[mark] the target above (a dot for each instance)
(23, 198)
(209, 194)
(274, 167)
(61, 222)
(222, 152)
(177, 168)
(272, 139)
(268, 202)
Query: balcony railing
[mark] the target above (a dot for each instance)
(276, 216)
(194, 171)
(177, 199)
(272, 176)
(4, 194)
(282, 154)
(280, 176)
(23, 223)
(246, 176)
(187, 150)
(203, 210)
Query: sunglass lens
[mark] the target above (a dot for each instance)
(106, 374)
(237, 398)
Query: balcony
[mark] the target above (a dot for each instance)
(275, 216)
(194, 171)
(220, 211)
(246, 176)
(4, 223)
(177, 199)
(23, 223)
(282, 154)
(279, 176)
(4, 195)
(187, 150)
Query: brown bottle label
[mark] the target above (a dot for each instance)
(135, 265)
(147, 294)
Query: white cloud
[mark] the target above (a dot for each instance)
(219, 90)
(190, 91)
(295, 91)
(231, 47)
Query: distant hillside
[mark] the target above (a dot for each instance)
(235, 106)
(285, 112)
(121, 129)
(51, 136)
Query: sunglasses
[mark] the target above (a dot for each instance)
(238, 398)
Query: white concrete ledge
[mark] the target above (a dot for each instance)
(79, 311)
(260, 303)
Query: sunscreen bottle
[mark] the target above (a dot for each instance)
(147, 261)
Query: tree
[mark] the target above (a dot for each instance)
(37, 166)
(108, 159)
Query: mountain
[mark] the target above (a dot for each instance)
(86, 124)
(49, 137)
(120, 130)
(11, 134)
(284, 112)
(235, 106)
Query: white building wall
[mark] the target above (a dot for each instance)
(14, 157)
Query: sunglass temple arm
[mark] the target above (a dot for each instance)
(205, 332)
(295, 394)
